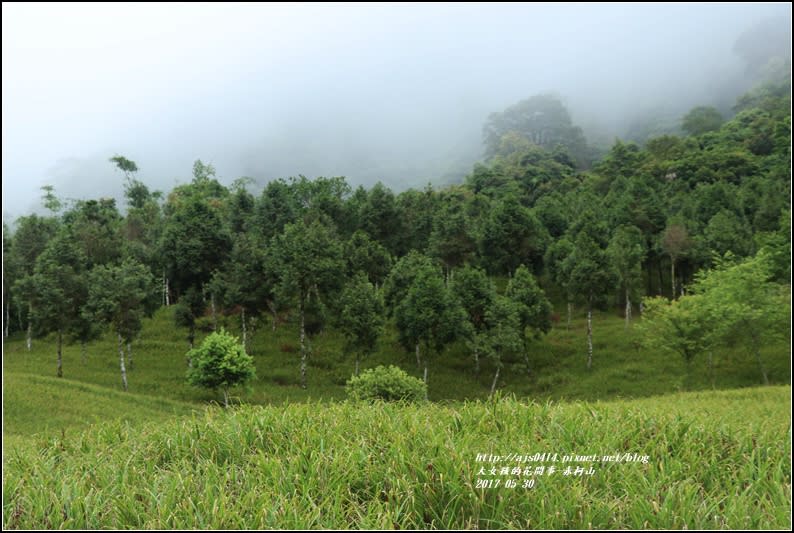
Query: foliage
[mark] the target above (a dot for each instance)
(701, 119)
(386, 383)
(362, 317)
(220, 363)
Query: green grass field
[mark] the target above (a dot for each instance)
(80, 453)
(715, 460)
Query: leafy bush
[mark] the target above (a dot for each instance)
(220, 363)
(386, 383)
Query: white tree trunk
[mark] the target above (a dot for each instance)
(303, 345)
(8, 315)
(60, 357)
(214, 315)
(589, 336)
(29, 339)
(476, 361)
(568, 326)
(167, 293)
(245, 337)
(495, 380)
(757, 351)
(129, 353)
(425, 379)
(672, 275)
(121, 361)
(225, 397)
(628, 308)
(272, 307)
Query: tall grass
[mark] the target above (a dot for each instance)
(717, 460)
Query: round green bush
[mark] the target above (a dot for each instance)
(386, 383)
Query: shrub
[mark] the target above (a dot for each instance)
(220, 363)
(386, 383)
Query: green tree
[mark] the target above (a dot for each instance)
(220, 363)
(745, 306)
(503, 335)
(680, 326)
(121, 296)
(511, 236)
(308, 262)
(559, 269)
(532, 307)
(543, 120)
(58, 288)
(701, 120)
(676, 243)
(451, 240)
(367, 256)
(362, 317)
(587, 267)
(626, 253)
(476, 293)
(30, 238)
(429, 315)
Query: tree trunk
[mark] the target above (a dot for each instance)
(214, 315)
(425, 378)
(672, 275)
(129, 353)
(476, 361)
(83, 352)
(418, 360)
(303, 344)
(659, 271)
(757, 351)
(356, 364)
(272, 307)
(29, 339)
(526, 355)
(568, 326)
(225, 397)
(8, 315)
(495, 380)
(167, 294)
(121, 362)
(711, 368)
(245, 337)
(628, 308)
(60, 355)
(589, 335)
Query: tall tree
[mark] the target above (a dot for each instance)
(588, 268)
(531, 305)
(512, 235)
(543, 119)
(121, 295)
(676, 243)
(362, 317)
(429, 315)
(367, 256)
(58, 288)
(309, 263)
(503, 335)
(626, 253)
(748, 309)
(476, 293)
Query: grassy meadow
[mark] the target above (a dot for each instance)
(80, 453)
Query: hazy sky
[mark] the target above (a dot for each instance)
(391, 92)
